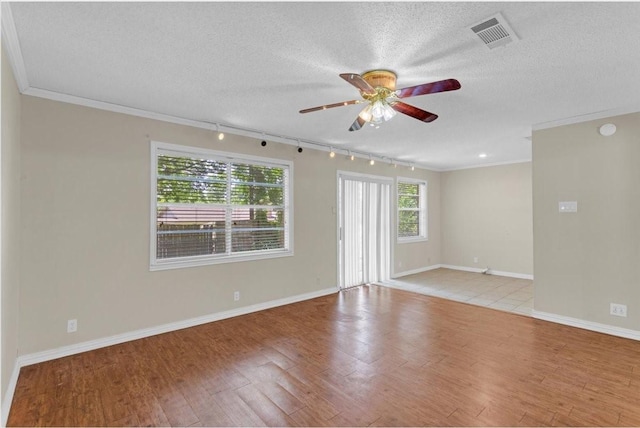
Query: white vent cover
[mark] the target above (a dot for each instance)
(494, 31)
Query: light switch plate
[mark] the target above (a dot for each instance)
(568, 206)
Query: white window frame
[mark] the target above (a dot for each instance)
(422, 211)
(182, 262)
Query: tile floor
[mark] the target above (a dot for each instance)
(497, 292)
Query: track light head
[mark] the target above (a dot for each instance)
(264, 143)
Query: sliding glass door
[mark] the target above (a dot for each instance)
(364, 229)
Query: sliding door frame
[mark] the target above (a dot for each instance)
(342, 175)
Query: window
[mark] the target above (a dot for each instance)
(412, 210)
(213, 207)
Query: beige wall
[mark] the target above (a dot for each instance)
(487, 213)
(86, 228)
(10, 266)
(586, 260)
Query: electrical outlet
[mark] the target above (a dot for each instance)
(618, 310)
(72, 326)
(475, 260)
(236, 296)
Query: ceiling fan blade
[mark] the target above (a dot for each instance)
(357, 81)
(429, 88)
(357, 124)
(412, 111)
(344, 103)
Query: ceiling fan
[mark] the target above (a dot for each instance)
(378, 88)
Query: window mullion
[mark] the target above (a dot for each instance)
(285, 207)
(228, 214)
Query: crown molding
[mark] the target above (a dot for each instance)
(11, 43)
(487, 165)
(227, 128)
(587, 117)
(117, 108)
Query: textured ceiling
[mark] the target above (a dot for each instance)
(254, 65)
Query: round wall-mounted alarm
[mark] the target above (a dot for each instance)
(608, 129)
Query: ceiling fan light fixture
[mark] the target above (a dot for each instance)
(377, 111)
(365, 114)
(389, 112)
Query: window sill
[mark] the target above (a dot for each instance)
(412, 239)
(187, 262)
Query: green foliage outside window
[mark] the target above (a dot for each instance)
(409, 209)
(205, 204)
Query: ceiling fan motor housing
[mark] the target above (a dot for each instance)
(381, 78)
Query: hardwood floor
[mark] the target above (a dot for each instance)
(367, 356)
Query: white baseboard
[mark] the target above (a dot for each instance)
(414, 271)
(77, 348)
(587, 325)
(511, 274)
(39, 357)
(491, 271)
(8, 396)
(462, 268)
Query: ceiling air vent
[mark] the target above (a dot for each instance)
(494, 31)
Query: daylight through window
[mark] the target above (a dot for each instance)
(412, 212)
(213, 207)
